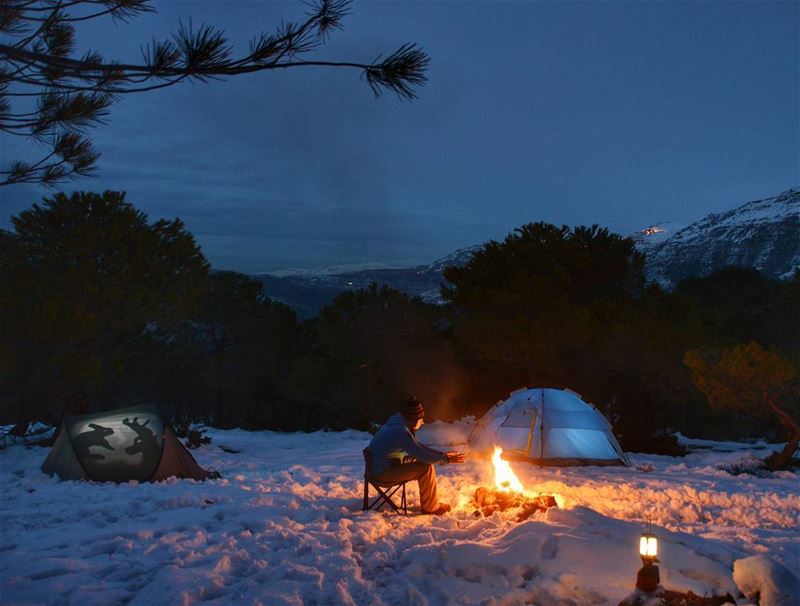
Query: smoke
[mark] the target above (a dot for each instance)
(433, 375)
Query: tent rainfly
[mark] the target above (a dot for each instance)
(549, 427)
(121, 445)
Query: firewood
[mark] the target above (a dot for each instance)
(488, 500)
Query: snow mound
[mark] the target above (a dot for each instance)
(448, 436)
(34, 432)
(748, 463)
(763, 579)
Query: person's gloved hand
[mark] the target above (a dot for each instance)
(456, 457)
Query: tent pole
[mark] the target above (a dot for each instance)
(541, 435)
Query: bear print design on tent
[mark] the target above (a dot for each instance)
(121, 445)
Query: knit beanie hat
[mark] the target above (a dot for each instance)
(413, 410)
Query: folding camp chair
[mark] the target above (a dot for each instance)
(385, 491)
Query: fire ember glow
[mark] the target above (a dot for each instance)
(508, 492)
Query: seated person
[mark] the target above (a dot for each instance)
(398, 457)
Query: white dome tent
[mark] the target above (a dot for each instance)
(549, 427)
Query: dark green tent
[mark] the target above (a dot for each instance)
(121, 445)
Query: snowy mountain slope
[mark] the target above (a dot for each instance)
(284, 526)
(763, 234)
(457, 259)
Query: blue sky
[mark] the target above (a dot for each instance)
(622, 114)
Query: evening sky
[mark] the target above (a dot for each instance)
(621, 114)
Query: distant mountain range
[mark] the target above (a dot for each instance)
(307, 292)
(763, 234)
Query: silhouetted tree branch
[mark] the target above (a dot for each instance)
(58, 95)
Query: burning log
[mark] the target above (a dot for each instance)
(541, 503)
(508, 493)
(487, 501)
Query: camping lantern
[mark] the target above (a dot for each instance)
(648, 548)
(648, 578)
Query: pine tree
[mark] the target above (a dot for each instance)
(81, 277)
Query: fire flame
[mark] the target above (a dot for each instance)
(504, 477)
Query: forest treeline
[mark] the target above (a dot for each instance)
(102, 308)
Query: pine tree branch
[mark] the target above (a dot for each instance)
(75, 92)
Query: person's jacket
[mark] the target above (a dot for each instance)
(394, 440)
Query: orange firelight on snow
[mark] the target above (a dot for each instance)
(504, 477)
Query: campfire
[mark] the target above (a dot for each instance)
(508, 493)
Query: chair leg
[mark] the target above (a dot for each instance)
(385, 498)
(377, 503)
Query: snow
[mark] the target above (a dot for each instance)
(761, 234)
(458, 258)
(768, 210)
(284, 526)
(33, 432)
(758, 576)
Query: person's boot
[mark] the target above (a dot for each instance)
(442, 509)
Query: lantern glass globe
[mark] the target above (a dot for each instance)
(648, 546)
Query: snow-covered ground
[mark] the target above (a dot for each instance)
(284, 526)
